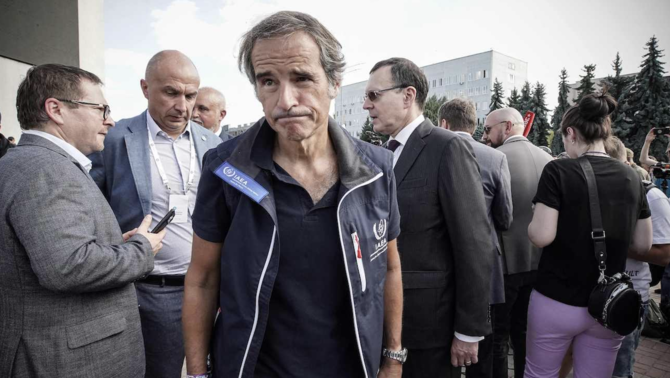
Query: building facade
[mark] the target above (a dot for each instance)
(468, 77)
(34, 32)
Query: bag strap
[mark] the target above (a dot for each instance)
(598, 232)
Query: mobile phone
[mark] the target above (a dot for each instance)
(165, 221)
(662, 131)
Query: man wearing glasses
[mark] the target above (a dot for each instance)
(503, 130)
(150, 164)
(67, 302)
(445, 260)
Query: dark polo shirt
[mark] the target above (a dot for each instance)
(310, 331)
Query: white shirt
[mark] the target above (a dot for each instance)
(175, 256)
(67, 147)
(403, 136)
(639, 271)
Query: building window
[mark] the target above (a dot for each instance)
(511, 78)
(478, 75)
(486, 88)
(484, 74)
(511, 66)
(469, 76)
(434, 81)
(440, 82)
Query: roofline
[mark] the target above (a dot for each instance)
(449, 60)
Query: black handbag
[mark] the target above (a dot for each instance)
(613, 302)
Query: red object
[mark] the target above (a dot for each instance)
(358, 253)
(528, 122)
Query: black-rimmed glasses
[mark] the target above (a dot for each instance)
(373, 95)
(106, 111)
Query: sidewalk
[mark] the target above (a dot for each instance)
(652, 358)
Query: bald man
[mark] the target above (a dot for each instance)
(210, 110)
(503, 129)
(150, 164)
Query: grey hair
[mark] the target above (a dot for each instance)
(285, 23)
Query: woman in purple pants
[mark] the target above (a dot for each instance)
(568, 271)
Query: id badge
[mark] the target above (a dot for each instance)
(181, 203)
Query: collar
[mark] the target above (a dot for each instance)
(514, 138)
(463, 133)
(154, 129)
(67, 147)
(254, 152)
(404, 134)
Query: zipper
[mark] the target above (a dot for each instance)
(258, 293)
(346, 267)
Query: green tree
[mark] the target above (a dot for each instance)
(562, 107)
(369, 135)
(586, 85)
(432, 107)
(514, 100)
(616, 86)
(479, 131)
(646, 104)
(538, 105)
(497, 96)
(526, 98)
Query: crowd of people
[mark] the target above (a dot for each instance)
(297, 250)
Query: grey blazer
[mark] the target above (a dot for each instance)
(526, 162)
(67, 303)
(446, 263)
(498, 194)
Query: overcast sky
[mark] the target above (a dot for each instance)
(549, 35)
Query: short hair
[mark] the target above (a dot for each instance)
(590, 117)
(615, 148)
(286, 23)
(404, 72)
(460, 114)
(44, 82)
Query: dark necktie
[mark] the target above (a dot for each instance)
(393, 145)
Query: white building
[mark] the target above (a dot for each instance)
(469, 77)
(34, 32)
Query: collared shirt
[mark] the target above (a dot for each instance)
(67, 147)
(514, 137)
(403, 136)
(175, 154)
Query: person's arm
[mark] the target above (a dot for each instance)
(542, 229)
(392, 312)
(502, 201)
(466, 220)
(644, 154)
(659, 254)
(640, 243)
(201, 289)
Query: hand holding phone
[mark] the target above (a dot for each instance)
(165, 221)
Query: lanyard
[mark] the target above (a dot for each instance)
(161, 170)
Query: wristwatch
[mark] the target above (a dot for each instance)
(398, 355)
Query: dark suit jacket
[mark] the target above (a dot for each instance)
(123, 170)
(444, 245)
(498, 193)
(68, 306)
(526, 162)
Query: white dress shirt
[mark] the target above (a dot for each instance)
(404, 135)
(67, 147)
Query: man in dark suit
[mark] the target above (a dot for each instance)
(446, 263)
(504, 130)
(460, 116)
(210, 110)
(150, 164)
(67, 303)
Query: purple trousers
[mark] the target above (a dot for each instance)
(553, 326)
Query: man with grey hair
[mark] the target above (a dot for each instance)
(210, 110)
(294, 228)
(503, 128)
(460, 116)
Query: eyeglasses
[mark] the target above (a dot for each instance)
(487, 129)
(373, 95)
(106, 111)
